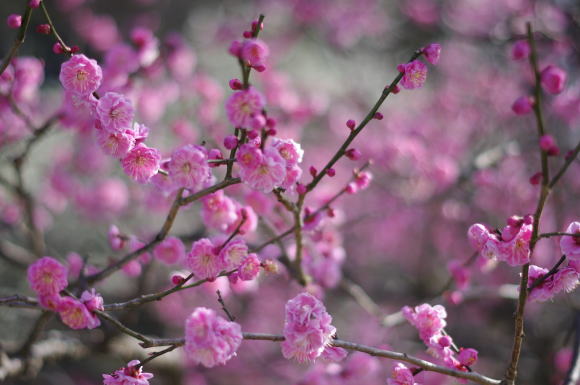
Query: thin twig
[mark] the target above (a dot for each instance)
(53, 30)
(550, 273)
(224, 307)
(512, 370)
(19, 40)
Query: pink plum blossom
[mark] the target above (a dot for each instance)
(47, 276)
(243, 105)
(570, 246)
(203, 260)
(75, 314)
(188, 167)
(428, 320)
(307, 328)
(80, 75)
(254, 52)
(249, 268)
(553, 79)
(115, 112)
(414, 74)
(141, 163)
(432, 53)
(131, 374)
(401, 375)
(171, 250)
(210, 340)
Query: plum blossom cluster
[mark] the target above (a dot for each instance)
(208, 258)
(307, 328)
(225, 214)
(275, 165)
(48, 277)
(510, 245)
(114, 116)
(210, 340)
(131, 374)
(401, 375)
(430, 323)
(415, 72)
(545, 284)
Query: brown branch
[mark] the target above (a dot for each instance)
(425, 365)
(200, 194)
(353, 134)
(146, 298)
(564, 167)
(224, 307)
(558, 234)
(512, 370)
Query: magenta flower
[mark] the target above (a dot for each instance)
(553, 79)
(249, 157)
(128, 375)
(428, 320)
(170, 251)
(523, 105)
(250, 268)
(75, 314)
(432, 53)
(254, 52)
(516, 251)
(47, 276)
(141, 163)
(218, 211)
(401, 375)
(188, 167)
(307, 328)
(50, 301)
(289, 150)
(204, 261)
(269, 174)
(210, 340)
(241, 107)
(521, 50)
(467, 357)
(115, 112)
(116, 144)
(414, 74)
(234, 253)
(80, 75)
(571, 245)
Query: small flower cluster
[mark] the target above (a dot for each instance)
(511, 245)
(114, 113)
(430, 322)
(546, 285)
(275, 165)
(307, 328)
(252, 51)
(129, 375)
(415, 72)
(48, 277)
(207, 259)
(210, 340)
(565, 279)
(401, 375)
(225, 214)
